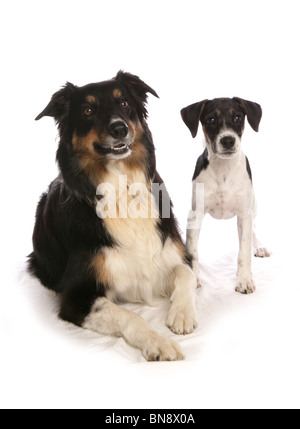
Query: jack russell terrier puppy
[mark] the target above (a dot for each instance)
(225, 173)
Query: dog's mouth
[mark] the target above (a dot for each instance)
(117, 149)
(227, 154)
(223, 153)
(120, 148)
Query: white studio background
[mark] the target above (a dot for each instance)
(187, 51)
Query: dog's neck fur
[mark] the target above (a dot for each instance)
(222, 165)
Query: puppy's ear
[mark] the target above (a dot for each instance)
(137, 88)
(58, 104)
(252, 110)
(191, 115)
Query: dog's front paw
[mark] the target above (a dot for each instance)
(262, 252)
(245, 285)
(182, 320)
(160, 348)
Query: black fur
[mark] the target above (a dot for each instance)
(68, 234)
(211, 114)
(248, 168)
(201, 164)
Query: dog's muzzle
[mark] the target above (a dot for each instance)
(227, 142)
(227, 145)
(118, 130)
(120, 144)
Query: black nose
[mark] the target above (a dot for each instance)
(118, 130)
(227, 142)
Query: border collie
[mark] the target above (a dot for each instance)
(102, 234)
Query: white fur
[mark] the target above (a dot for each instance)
(109, 319)
(142, 267)
(228, 192)
(237, 146)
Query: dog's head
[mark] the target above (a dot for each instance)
(101, 119)
(223, 122)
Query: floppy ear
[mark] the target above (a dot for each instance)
(137, 87)
(191, 116)
(252, 110)
(57, 106)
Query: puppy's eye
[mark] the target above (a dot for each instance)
(124, 104)
(237, 119)
(88, 111)
(211, 121)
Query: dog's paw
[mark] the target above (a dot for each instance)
(198, 282)
(197, 275)
(160, 348)
(196, 271)
(182, 320)
(245, 285)
(262, 252)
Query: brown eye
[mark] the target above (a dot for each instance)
(88, 111)
(124, 104)
(211, 121)
(237, 119)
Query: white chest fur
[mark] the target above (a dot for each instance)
(140, 264)
(227, 187)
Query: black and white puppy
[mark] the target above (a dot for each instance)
(225, 172)
(102, 235)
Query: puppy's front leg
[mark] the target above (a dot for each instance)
(192, 237)
(107, 318)
(182, 313)
(194, 223)
(245, 282)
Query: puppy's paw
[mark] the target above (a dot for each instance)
(245, 285)
(262, 252)
(197, 274)
(195, 267)
(198, 282)
(182, 319)
(159, 348)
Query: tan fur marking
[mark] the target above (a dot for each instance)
(85, 144)
(137, 159)
(205, 133)
(90, 162)
(202, 108)
(91, 99)
(117, 93)
(103, 275)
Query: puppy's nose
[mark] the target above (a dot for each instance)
(118, 130)
(227, 142)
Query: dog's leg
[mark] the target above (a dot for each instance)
(109, 319)
(192, 238)
(245, 282)
(259, 250)
(182, 313)
(194, 223)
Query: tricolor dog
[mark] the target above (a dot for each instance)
(225, 172)
(102, 234)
